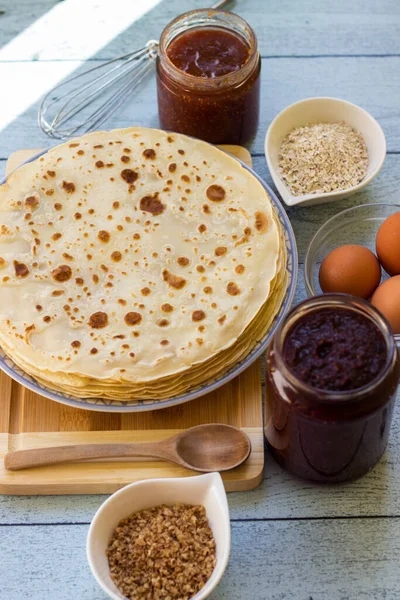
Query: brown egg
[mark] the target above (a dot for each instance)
(386, 298)
(388, 244)
(350, 269)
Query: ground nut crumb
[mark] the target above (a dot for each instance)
(323, 157)
(166, 552)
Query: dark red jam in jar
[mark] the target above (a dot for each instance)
(332, 373)
(208, 77)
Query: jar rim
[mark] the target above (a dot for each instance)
(341, 301)
(232, 79)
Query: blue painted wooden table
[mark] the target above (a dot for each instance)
(291, 540)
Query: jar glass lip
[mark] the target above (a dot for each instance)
(207, 17)
(342, 301)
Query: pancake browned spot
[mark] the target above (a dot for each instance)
(116, 256)
(149, 153)
(132, 318)
(206, 209)
(21, 270)
(51, 173)
(202, 228)
(207, 289)
(94, 351)
(233, 289)
(198, 315)
(182, 261)
(129, 176)
(220, 250)
(125, 159)
(200, 268)
(163, 322)
(261, 221)
(103, 236)
(67, 256)
(75, 344)
(172, 167)
(98, 320)
(99, 164)
(239, 269)
(222, 319)
(56, 236)
(62, 273)
(58, 206)
(164, 342)
(215, 193)
(152, 204)
(167, 307)
(173, 280)
(32, 202)
(68, 187)
(145, 291)
(2, 262)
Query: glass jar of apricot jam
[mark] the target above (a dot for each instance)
(332, 373)
(208, 77)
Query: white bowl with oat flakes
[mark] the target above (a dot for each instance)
(204, 490)
(320, 150)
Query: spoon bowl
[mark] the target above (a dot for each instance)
(197, 447)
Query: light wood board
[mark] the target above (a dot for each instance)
(28, 420)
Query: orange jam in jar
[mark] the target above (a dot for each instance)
(208, 77)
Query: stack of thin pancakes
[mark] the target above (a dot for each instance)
(136, 264)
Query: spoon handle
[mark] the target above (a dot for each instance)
(39, 457)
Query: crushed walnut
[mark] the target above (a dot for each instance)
(323, 157)
(166, 552)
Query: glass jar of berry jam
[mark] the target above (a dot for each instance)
(332, 373)
(208, 77)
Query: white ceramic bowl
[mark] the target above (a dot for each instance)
(207, 490)
(324, 110)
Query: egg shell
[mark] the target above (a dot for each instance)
(386, 298)
(350, 269)
(388, 244)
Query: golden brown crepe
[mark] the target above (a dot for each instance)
(135, 264)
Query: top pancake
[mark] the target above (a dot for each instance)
(131, 255)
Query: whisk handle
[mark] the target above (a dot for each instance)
(220, 4)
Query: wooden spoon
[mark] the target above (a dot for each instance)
(204, 448)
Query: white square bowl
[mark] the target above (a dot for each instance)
(324, 110)
(207, 490)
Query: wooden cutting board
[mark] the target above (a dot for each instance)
(28, 420)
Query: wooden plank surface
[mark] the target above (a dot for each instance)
(283, 27)
(303, 548)
(344, 559)
(371, 82)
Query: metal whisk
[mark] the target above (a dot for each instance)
(101, 90)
